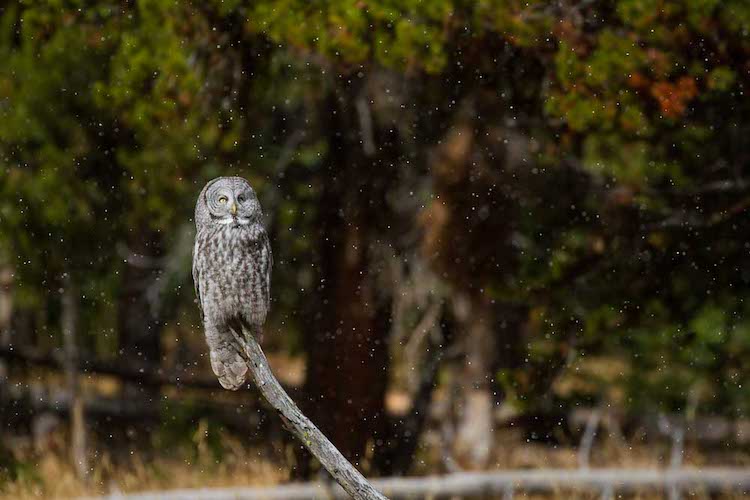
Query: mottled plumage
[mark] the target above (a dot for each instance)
(232, 272)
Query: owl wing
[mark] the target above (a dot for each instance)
(196, 276)
(267, 256)
(262, 263)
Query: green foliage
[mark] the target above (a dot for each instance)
(402, 35)
(111, 119)
(15, 471)
(53, 143)
(187, 431)
(696, 362)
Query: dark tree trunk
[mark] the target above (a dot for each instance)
(139, 318)
(347, 352)
(6, 314)
(396, 455)
(69, 323)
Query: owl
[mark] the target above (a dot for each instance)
(232, 273)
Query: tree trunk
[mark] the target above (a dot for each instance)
(396, 455)
(474, 437)
(6, 314)
(6, 302)
(467, 239)
(139, 319)
(70, 321)
(347, 351)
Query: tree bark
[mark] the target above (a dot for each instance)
(70, 321)
(347, 364)
(347, 350)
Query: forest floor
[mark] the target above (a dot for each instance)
(186, 454)
(48, 474)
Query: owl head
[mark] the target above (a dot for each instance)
(227, 200)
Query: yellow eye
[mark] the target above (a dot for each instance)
(223, 200)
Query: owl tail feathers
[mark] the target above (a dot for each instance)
(229, 366)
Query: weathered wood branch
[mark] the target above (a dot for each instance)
(490, 484)
(350, 479)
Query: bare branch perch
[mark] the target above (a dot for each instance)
(353, 482)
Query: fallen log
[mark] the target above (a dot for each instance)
(23, 404)
(128, 370)
(703, 429)
(484, 484)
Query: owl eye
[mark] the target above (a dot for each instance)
(241, 198)
(223, 200)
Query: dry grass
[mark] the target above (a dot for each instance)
(46, 472)
(49, 475)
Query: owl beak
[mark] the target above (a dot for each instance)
(233, 209)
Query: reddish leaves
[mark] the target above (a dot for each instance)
(673, 97)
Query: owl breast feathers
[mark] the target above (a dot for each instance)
(232, 273)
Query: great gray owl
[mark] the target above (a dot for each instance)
(232, 272)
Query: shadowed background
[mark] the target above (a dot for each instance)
(483, 214)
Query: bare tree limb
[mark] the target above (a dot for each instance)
(587, 442)
(405, 431)
(365, 121)
(422, 330)
(353, 482)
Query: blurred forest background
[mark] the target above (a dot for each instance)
(491, 220)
